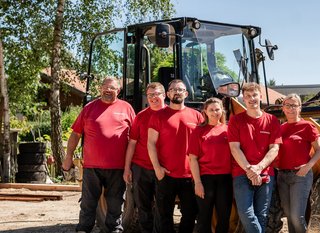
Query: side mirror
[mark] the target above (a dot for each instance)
(270, 49)
(162, 35)
(231, 89)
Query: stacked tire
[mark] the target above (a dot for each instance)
(31, 163)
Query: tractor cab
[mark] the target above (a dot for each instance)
(212, 58)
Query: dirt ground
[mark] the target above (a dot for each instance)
(59, 216)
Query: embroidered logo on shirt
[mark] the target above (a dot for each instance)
(120, 113)
(265, 132)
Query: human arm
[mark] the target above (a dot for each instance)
(304, 169)
(153, 136)
(265, 162)
(71, 147)
(194, 166)
(127, 174)
(241, 159)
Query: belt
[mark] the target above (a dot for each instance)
(288, 170)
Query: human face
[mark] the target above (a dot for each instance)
(252, 99)
(214, 113)
(291, 109)
(177, 93)
(109, 91)
(155, 98)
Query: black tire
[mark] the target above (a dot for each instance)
(31, 159)
(129, 215)
(32, 147)
(31, 177)
(313, 225)
(32, 168)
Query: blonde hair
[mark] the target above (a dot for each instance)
(155, 85)
(292, 96)
(212, 100)
(251, 87)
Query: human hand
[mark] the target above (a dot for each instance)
(199, 190)
(67, 163)
(256, 180)
(253, 170)
(161, 172)
(302, 170)
(127, 176)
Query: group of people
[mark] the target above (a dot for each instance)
(173, 150)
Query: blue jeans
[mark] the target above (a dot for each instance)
(253, 203)
(93, 181)
(294, 193)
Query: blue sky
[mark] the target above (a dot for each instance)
(292, 25)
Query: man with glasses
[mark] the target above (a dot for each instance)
(168, 135)
(105, 123)
(254, 137)
(138, 167)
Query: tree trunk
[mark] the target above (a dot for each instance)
(5, 119)
(55, 110)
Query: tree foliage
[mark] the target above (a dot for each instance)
(27, 30)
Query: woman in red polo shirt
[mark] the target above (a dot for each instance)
(295, 175)
(210, 163)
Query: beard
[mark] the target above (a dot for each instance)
(108, 97)
(176, 100)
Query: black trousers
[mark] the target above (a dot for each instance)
(217, 194)
(144, 188)
(93, 181)
(167, 190)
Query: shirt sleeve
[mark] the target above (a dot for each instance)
(314, 133)
(134, 131)
(233, 130)
(276, 131)
(78, 124)
(194, 143)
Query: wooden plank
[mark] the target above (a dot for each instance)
(41, 187)
(33, 195)
(8, 198)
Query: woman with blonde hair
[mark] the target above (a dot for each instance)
(295, 175)
(210, 163)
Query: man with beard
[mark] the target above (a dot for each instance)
(168, 136)
(105, 124)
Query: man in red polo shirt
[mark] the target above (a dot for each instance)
(254, 137)
(138, 167)
(105, 124)
(168, 135)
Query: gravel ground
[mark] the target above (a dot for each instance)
(62, 216)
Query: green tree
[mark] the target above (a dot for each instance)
(29, 34)
(271, 82)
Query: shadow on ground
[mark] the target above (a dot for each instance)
(59, 228)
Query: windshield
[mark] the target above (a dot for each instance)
(212, 56)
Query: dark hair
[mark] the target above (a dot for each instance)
(212, 100)
(174, 81)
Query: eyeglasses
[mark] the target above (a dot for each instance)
(155, 94)
(178, 90)
(109, 88)
(293, 106)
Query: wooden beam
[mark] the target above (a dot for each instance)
(8, 198)
(41, 187)
(45, 197)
